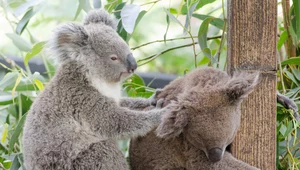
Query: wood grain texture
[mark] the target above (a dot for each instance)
(252, 46)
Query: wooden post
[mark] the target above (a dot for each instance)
(252, 32)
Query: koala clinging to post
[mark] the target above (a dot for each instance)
(75, 120)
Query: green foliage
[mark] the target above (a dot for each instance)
(19, 87)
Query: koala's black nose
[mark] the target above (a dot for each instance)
(215, 154)
(131, 63)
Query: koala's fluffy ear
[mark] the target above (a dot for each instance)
(100, 16)
(172, 123)
(67, 41)
(241, 85)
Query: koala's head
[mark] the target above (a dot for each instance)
(209, 117)
(96, 46)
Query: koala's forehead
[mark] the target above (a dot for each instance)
(105, 39)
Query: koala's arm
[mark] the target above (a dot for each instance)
(108, 120)
(135, 103)
(140, 103)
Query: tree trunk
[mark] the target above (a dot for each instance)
(252, 32)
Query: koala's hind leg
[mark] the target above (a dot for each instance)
(100, 156)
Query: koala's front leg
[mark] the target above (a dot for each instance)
(140, 103)
(109, 120)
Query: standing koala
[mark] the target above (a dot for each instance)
(75, 120)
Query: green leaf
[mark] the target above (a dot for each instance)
(16, 84)
(24, 6)
(294, 60)
(85, 5)
(36, 49)
(77, 11)
(172, 17)
(296, 73)
(189, 15)
(202, 3)
(134, 86)
(5, 99)
(282, 39)
(204, 61)
(97, 3)
(292, 77)
(4, 133)
(21, 87)
(15, 164)
(168, 24)
(217, 22)
(173, 11)
(25, 19)
(294, 36)
(129, 14)
(19, 42)
(202, 38)
(16, 133)
(118, 10)
(282, 129)
(9, 79)
(39, 84)
(296, 5)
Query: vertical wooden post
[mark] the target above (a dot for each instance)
(252, 36)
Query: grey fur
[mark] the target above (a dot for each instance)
(74, 122)
(100, 16)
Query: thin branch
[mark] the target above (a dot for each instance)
(223, 36)
(152, 57)
(153, 2)
(173, 39)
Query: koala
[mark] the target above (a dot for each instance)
(74, 122)
(204, 120)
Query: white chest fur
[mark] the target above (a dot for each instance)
(112, 90)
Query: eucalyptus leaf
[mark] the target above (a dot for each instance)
(282, 39)
(17, 132)
(189, 15)
(129, 14)
(294, 60)
(9, 79)
(15, 164)
(217, 22)
(25, 19)
(19, 42)
(85, 5)
(172, 17)
(36, 49)
(296, 8)
(24, 7)
(202, 39)
(168, 24)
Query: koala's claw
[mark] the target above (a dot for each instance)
(288, 104)
(160, 103)
(153, 98)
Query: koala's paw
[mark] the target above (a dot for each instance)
(288, 104)
(160, 103)
(153, 98)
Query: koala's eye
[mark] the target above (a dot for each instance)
(113, 58)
